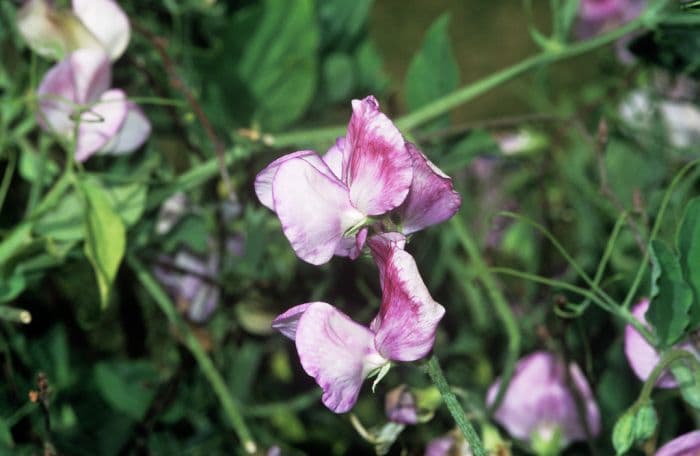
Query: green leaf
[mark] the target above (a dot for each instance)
(65, 222)
(568, 9)
(689, 383)
(127, 386)
(280, 63)
(689, 248)
(433, 71)
(645, 421)
(636, 424)
(105, 237)
(338, 77)
(668, 310)
(342, 22)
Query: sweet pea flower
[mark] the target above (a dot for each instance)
(325, 203)
(92, 24)
(340, 353)
(685, 445)
(448, 445)
(642, 357)
(191, 282)
(598, 16)
(539, 407)
(400, 405)
(77, 88)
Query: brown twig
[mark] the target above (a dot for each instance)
(161, 46)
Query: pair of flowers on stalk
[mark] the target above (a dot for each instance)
(75, 98)
(371, 188)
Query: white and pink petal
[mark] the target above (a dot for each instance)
(431, 198)
(100, 123)
(408, 318)
(337, 352)
(134, 132)
(379, 167)
(107, 22)
(286, 323)
(313, 207)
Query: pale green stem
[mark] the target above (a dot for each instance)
(482, 272)
(205, 363)
(433, 369)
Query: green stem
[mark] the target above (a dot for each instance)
(668, 358)
(503, 310)
(433, 369)
(471, 91)
(7, 177)
(192, 343)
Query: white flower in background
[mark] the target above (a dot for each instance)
(91, 24)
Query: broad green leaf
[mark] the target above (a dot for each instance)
(105, 237)
(342, 22)
(689, 383)
(338, 77)
(689, 249)
(668, 310)
(433, 71)
(280, 62)
(370, 68)
(127, 386)
(65, 222)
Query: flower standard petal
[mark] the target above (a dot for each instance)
(56, 95)
(92, 74)
(431, 198)
(107, 22)
(314, 209)
(337, 352)
(408, 318)
(98, 125)
(381, 246)
(379, 168)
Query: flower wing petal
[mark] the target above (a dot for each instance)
(336, 158)
(408, 318)
(287, 322)
(379, 167)
(431, 198)
(107, 21)
(337, 352)
(100, 124)
(132, 135)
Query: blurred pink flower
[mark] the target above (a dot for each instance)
(400, 405)
(324, 203)
(448, 446)
(92, 24)
(74, 97)
(598, 16)
(641, 356)
(684, 445)
(340, 353)
(539, 404)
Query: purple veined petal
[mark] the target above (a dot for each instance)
(314, 209)
(337, 352)
(100, 123)
(381, 246)
(684, 445)
(379, 168)
(336, 158)
(107, 22)
(408, 318)
(132, 135)
(287, 322)
(92, 74)
(263, 181)
(538, 400)
(641, 356)
(431, 198)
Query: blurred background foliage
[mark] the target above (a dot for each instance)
(120, 380)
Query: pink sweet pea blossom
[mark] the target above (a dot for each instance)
(538, 403)
(325, 203)
(641, 356)
(400, 405)
(685, 445)
(598, 16)
(340, 353)
(92, 24)
(448, 446)
(77, 89)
